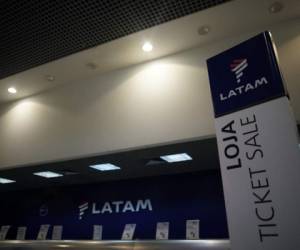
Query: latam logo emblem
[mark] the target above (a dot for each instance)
(82, 209)
(237, 67)
(111, 207)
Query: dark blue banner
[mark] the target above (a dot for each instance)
(245, 75)
(144, 202)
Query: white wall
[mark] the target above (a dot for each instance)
(158, 102)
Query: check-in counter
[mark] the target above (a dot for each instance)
(124, 245)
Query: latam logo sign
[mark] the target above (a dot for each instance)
(82, 208)
(114, 207)
(251, 77)
(237, 67)
(243, 88)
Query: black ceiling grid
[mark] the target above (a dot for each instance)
(34, 32)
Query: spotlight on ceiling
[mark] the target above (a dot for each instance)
(50, 78)
(275, 7)
(176, 157)
(6, 181)
(147, 47)
(204, 30)
(12, 90)
(91, 65)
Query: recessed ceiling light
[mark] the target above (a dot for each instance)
(275, 7)
(12, 90)
(48, 174)
(105, 167)
(176, 157)
(147, 47)
(50, 78)
(203, 30)
(6, 181)
(91, 65)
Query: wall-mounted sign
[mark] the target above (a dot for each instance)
(143, 202)
(43, 210)
(114, 207)
(4, 231)
(258, 147)
(57, 232)
(192, 229)
(162, 231)
(21, 233)
(42, 234)
(128, 231)
(97, 232)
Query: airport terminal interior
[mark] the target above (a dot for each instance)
(108, 131)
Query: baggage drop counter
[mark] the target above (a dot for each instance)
(124, 245)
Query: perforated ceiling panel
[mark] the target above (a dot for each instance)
(34, 32)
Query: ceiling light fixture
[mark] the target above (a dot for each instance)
(275, 7)
(6, 181)
(147, 47)
(50, 78)
(105, 167)
(48, 174)
(204, 30)
(176, 157)
(92, 65)
(12, 90)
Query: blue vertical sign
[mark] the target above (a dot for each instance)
(258, 146)
(245, 75)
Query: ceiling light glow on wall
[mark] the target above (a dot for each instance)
(48, 174)
(147, 47)
(6, 181)
(176, 158)
(105, 167)
(12, 90)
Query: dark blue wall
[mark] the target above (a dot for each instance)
(174, 198)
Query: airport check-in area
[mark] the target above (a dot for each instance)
(149, 124)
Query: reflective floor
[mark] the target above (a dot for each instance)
(124, 245)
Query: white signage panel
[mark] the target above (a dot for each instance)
(162, 231)
(42, 235)
(3, 232)
(57, 232)
(21, 233)
(128, 232)
(192, 229)
(260, 164)
(97, 232)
